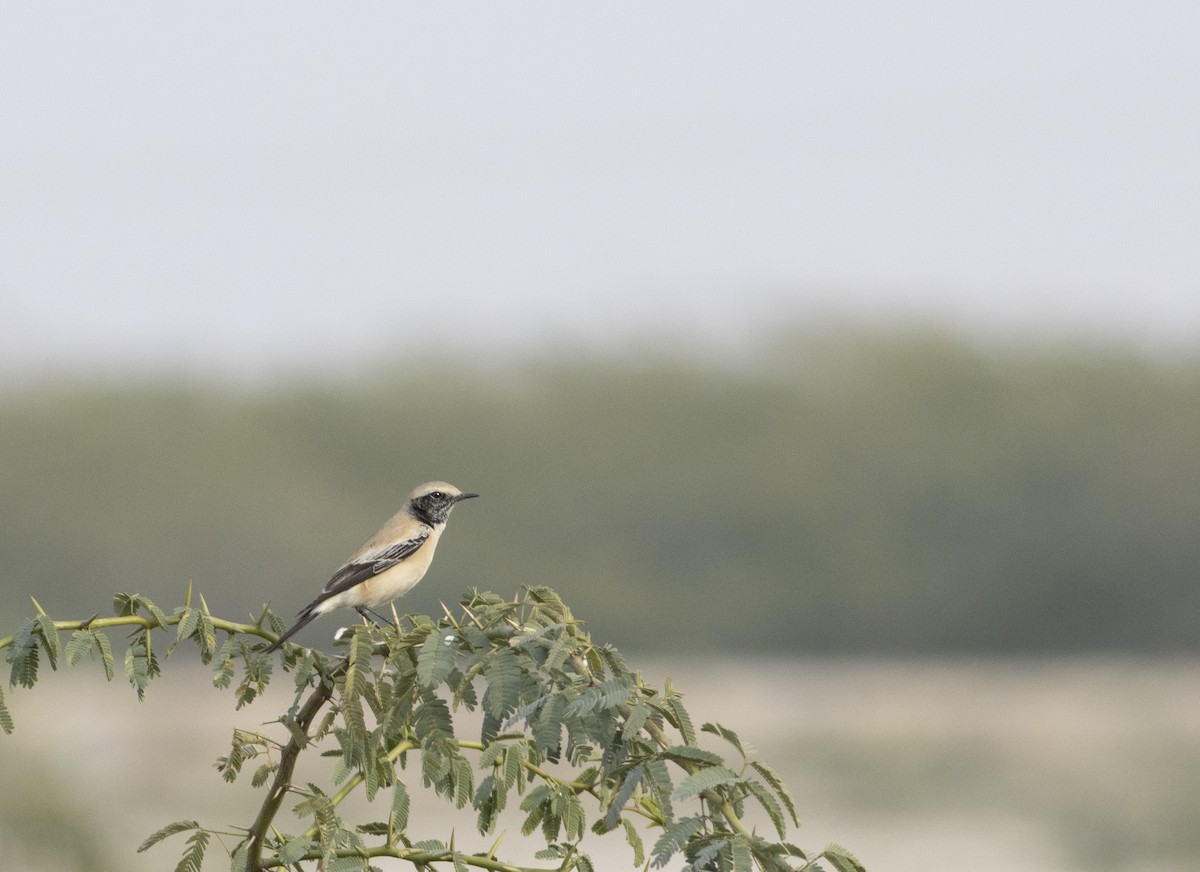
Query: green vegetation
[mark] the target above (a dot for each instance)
(569, 733)
(836, 491)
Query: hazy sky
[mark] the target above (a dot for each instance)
(243, 187)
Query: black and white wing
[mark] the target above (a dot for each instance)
(370, 565)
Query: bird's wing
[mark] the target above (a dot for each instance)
(371, 564)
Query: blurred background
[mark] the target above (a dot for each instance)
(838, 361)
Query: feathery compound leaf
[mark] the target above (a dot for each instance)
(634, 838)
(159, 616)
(106, 654)
(659, 780)
(727, 734)
(292, 850)
(168, 830)
(137, 664)
(125, 604)
(356, 738)
(772, 778)
(502, 672)
(193, 857)
(635, 721)
(614, 661)
(689, 754)
(673, 838)
(435, 660)
(543, 595)
(237, 860)
(50, 639)
(617, 804)
(841, 859)
(680, 719)
(23, 655)
(547, 730)
(79, 646)
(432, 720)
(603, 696)
(6, 721)
(704, 779)
(188, 622)
(559, 652)
(743, 857)
(400, 806)
(767, 800)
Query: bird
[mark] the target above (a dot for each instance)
(391, 562)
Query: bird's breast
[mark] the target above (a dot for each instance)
(397, 580)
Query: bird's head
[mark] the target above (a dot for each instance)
(432, 501)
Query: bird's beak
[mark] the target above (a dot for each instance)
(461, 497)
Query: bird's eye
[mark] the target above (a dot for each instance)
(438, 495)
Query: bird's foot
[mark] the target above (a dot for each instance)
(373, 617)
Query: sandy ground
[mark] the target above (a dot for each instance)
(980, 766)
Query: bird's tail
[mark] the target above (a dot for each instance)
(307, 615)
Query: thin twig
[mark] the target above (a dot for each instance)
(283, 775)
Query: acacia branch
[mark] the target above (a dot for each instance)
(149, 622)
(283, 775)
(422, 858)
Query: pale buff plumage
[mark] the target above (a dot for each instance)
(391, 562)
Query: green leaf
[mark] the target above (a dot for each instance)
(161, 617)
(355, 684)
(743, 857)
(168, 830)
(704, 779)
(727, 734)
(841, 859)
(680, 718)
(431, 719)
(547, 730)
(634, 838)
(50, 639)
(566, 806)
(614, 661)
(207, 635)
(514, 768)
(400, 806)
(463, 777)
(138, 664)
(690, 754)
(79, 646)
(25, 669)
(293, 849)
(435, 660)
(673, 838)
(635, 721)
(606, 695)
(6, 721)
(188, 622)
(659, 780)
(559, 652)
(23, 654)
(772, 778)
(106, 654)
(767, 801)
(502, 672)
(617, 804)
(262, 773)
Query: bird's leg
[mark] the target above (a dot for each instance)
(372, 617)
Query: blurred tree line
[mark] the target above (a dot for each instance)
(839, 490)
